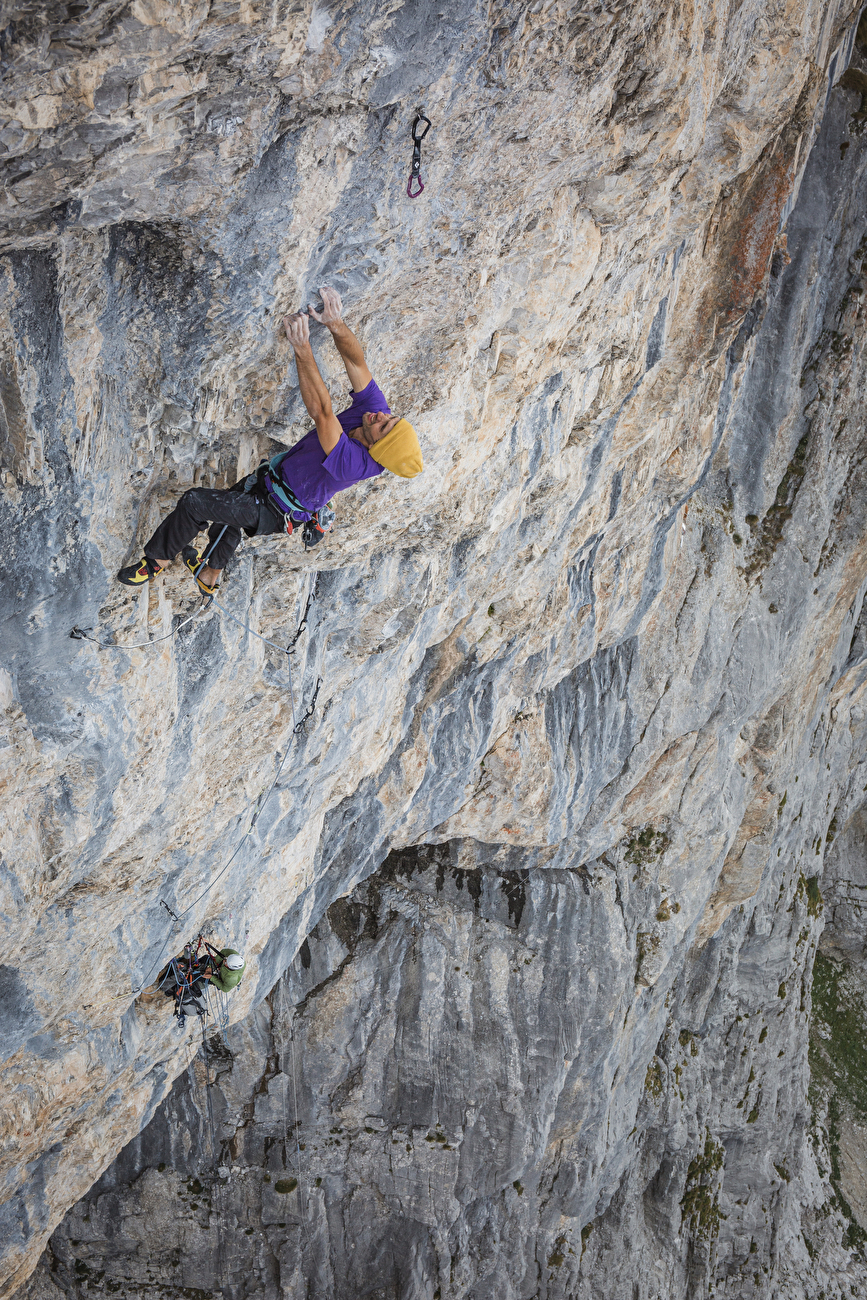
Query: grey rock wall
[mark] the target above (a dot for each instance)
(532, 1072)
(548, 860)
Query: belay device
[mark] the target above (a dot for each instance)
(415, 171)
(186, 978)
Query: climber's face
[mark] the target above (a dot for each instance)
(374, 425)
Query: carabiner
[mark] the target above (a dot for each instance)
(421, 118)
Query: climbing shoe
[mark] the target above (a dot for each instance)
(192, 558)
(136, 575)
(193, 561)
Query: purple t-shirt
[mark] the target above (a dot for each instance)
(315, 477)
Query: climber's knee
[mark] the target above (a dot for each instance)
(195, 504)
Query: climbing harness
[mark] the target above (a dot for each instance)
(415, 170)
(268, 480)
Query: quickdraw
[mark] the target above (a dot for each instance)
(300, 727)
(290, 649)
(415, 171)
(172, 914)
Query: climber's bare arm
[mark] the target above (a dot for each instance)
(347, 344)
(314, 394)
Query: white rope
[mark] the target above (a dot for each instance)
(302, 1182)
(261, 801)
(222, 1269)
(78, 634)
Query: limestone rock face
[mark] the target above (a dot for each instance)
(589, 692)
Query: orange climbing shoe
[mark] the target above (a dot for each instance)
(193, 561)
(136, 575)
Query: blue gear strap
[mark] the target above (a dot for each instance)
(278, 488)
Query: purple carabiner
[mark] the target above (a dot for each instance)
(414, 177)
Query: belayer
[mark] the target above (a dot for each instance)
(186, 977)
(295, 487)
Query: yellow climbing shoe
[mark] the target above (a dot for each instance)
(136, 575)
(192, 558)
(205, 589)
(193, 561)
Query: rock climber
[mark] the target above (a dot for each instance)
(226, 975)
(294, 487)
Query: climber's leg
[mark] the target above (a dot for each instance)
(221, 545)
(233, 507)
(222, 540)
(195, 509)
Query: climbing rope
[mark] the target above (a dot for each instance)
(260, 802)
(215, 1173)
(222, 1014)
(284, 650)
(81, 634)
(415, 170)
(302, 1182)
(301, 725)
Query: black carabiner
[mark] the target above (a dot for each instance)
(415, 170)
(421, 118)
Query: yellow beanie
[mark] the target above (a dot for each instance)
(399, 451)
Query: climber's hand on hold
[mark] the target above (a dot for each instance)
(297, 330)
(347, 344)
(314, 394)
(332, 308)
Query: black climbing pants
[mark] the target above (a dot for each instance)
(232, 506)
